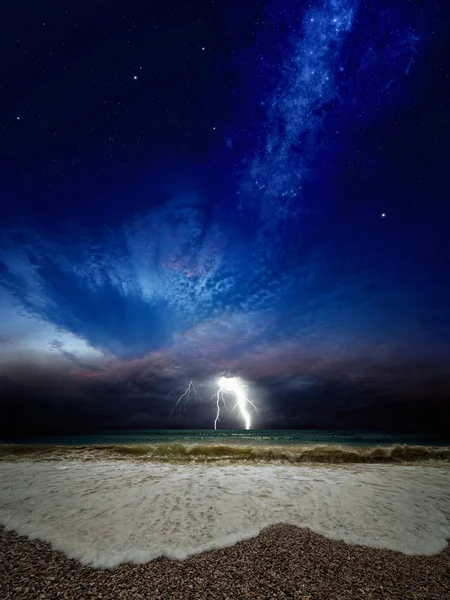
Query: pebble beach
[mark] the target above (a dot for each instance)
(283, 562)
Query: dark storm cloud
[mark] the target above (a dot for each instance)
(346, 394)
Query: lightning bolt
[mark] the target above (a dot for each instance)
(233, 385)
(227, 386)
(187, 394)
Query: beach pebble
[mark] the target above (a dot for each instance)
(282, 563)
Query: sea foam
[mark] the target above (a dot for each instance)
(105, 513)
(232, 453)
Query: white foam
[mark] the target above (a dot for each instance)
(107, 513)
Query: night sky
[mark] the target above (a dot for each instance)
(256, 189)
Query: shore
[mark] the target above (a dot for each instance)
(283, 562)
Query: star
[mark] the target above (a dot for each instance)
(18, 118)
(383, 215)
(203, 48)
(135, 77)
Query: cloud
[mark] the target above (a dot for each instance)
(265, 284)
(59, 346)
(124, 292)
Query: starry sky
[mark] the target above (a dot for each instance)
(255, 189)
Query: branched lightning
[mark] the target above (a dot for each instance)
(227, 386)
(233, 385)
(190, 390)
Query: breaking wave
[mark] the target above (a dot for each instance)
(182, 453)
(106, 513)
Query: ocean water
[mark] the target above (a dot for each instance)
(295, 446)
(122, 497)
(236, 436)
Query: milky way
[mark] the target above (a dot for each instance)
(272, 280)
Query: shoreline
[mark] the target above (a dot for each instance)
(282, 562)
(231, 453)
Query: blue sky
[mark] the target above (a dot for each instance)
(297, 239)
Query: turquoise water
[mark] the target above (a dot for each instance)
(241, 437)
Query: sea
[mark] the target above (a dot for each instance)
(281, 446)
(132, 496)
